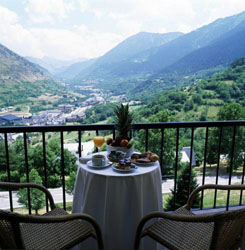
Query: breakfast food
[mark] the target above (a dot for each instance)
(154, 157)
(120, 142)
(144, 158)
(124, 143)
(124, 164)
(115, 156)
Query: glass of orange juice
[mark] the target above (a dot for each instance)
(98, 141)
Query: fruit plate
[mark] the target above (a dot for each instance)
(90, 164)
(124, 170)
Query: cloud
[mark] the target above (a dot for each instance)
(40, 11)
(81, 42)
(15, 37)
(67, 29)
(7, 16)
(83, 5)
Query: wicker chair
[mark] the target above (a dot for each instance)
(184, 230)
(54, 230)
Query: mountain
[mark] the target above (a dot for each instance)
(54, 66)
(201, 100)
(173, 51)
(135, 44)
(131, 60)
(127, 49)
(14, 68)
(222, 52)
(23, 82)
(74, 70)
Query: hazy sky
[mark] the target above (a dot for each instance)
(69, 29)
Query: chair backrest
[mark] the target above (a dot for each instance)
(228, 229)
(8, 232)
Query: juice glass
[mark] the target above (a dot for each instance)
(98, 141)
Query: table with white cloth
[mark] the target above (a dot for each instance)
(118, 201)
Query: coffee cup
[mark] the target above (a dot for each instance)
(98, 160)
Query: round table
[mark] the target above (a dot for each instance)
(118, 201)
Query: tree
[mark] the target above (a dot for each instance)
(238, 62)
(182, 189)
(230, 111)
(189, 105)
(53, 160)
(70, 182)
(37, 197)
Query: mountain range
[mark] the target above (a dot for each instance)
(151, 55)
(141, 42)
(223, 51)
(140, 59)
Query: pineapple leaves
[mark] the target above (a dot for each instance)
(123, 120)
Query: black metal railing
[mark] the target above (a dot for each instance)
(147, 127)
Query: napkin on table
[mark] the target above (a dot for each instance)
(85, 159)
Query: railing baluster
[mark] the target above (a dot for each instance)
(190, 167)
(231, 166)
(63, 168)
(242, 182)
(114, 133)
(204, 165)
(161, 153)
(176, 164)
(45, 167)
(8, 169)
(146, 139)
(97, 133)
(218, 164)
(79, 144)
(27, 172)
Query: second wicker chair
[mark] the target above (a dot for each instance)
(183, 229)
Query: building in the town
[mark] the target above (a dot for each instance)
(9, 119)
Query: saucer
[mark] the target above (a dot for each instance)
(90, 164)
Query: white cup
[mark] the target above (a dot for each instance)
(98, 160)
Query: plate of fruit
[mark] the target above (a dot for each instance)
(124, 165)
(120, 144)
(144, 159)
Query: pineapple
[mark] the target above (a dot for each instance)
(123, 120)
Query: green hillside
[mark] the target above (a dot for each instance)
(201, 100)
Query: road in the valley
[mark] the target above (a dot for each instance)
(166, 186)
(88, 147)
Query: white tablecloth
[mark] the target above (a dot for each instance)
(118, 201)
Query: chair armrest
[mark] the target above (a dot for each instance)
(169, 216)
(16, 186)
(57, 219)
(211, 186)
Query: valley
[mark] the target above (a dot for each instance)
(150, 71)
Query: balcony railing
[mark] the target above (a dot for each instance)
(179, 128)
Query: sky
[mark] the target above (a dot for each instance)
(73, 29)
